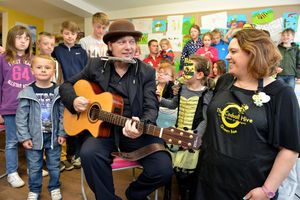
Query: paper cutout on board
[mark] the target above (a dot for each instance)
(203, 31)
(187, 22)
(144, 39)
(176, 41)
(159, 26)
(143, 25)
(262, 16)
(214, 20)
(290, 20)
(174, 24)
(240, 19)
(274, 28)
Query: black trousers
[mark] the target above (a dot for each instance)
(96, 159)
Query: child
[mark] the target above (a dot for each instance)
(45, 44)
(165, 80)
(166, 52)
(191, 46)
(93, 44)
(219, 68)
(220, 45)
(40, 128)
(72, 59)
(15, 75)
(192, 102)
(232, 30)
(207, 50)
(290, 63)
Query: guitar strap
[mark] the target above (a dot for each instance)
(141, 152)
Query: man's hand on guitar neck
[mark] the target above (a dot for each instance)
(80, 104)
(130, 129)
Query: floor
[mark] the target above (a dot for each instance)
(70, 182)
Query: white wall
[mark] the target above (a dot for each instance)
(54, 25)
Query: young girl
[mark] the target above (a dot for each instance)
(219, 68)
(166, 52)
(165, 81)
(15, 75)
(39, 126)
(207, 50)
(192, 101)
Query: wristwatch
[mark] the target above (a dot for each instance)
(269, 193)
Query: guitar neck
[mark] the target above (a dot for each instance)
(121, 120)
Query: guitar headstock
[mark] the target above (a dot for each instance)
(179, 137)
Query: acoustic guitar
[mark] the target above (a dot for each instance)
(106, 110)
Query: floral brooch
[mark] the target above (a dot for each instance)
(259, 98)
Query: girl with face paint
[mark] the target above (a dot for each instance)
(191, 101)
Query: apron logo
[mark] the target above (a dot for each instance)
(232, 116)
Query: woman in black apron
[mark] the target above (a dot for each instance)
(252, 138)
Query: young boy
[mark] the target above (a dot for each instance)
(45, 45)
(72, 59)
(290, 63)
(93, 44)
(220, 45)
(39, 127)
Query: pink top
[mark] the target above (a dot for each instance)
(212, 57)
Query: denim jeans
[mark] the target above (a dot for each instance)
(290, 80)
(35, 164)
(11, 144)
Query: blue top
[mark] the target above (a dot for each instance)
(222, 48)
(72, 60)
(189, 49)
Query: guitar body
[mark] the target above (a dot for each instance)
(89, 120)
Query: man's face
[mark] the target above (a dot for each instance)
(124, 47)
(153, 48)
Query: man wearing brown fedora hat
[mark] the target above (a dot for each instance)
(134, 81)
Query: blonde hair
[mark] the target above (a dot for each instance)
(165, 41)
(71, 26)
(167, 65)
(45, 34)
(264, 55)
(100, 17)
(43, 56)
(207, 34)
(10, 48)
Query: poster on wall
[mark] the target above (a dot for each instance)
(290, 20)
(274, 28)
(159, 26)
(32, 30)
(217, 20)
(262, 16)
(174, 24)
(143, 25)
(176, 41)
(187, 22)
(240, 20)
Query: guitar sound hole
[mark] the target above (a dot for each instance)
(94, 112)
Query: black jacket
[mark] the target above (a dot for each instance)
(142, 97)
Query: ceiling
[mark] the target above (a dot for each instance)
(51, 9)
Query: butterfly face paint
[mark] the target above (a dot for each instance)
(188, 70)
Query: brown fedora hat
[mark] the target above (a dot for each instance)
(120, 28)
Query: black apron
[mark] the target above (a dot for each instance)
(235, 157)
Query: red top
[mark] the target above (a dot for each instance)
(212, 56)
(153, 61)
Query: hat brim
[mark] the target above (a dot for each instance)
(108, 36)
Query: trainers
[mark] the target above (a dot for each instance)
(61, 167)
(44, 172)
(33, 196)
(15, 180)
(68, 165)
(76, 162)
(55, 194)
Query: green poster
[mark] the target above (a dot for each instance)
(187, 22)
(144, 39)
(262, 16)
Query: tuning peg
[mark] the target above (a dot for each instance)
(185, 128)
(195, 131)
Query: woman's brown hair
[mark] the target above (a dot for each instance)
(264, 55)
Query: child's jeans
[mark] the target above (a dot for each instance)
(11, 144)
(35, 164)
